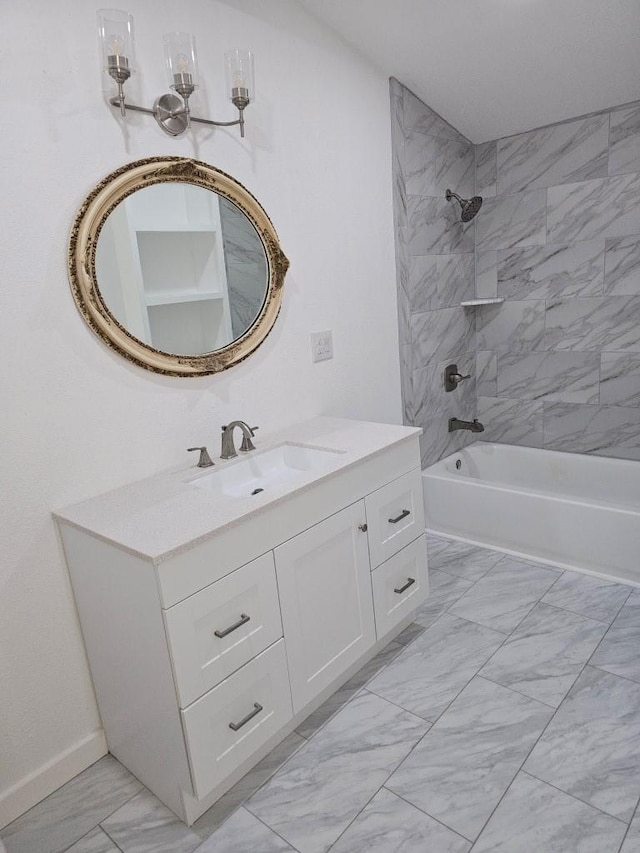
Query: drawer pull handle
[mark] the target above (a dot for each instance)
(241, 621)
(257, 707)
(410, 582)
(403, 514)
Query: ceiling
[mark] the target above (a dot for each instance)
(493, 68)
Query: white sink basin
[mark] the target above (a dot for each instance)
(261, 472)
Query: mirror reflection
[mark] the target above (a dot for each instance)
(181, 268)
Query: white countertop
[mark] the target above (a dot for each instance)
(162, 515)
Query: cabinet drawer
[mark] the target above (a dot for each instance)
(395, 516)
(220, 628)
(224, 727)
(400, 585)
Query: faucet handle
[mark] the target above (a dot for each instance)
(205, 460)
(247, 444)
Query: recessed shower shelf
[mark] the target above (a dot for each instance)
(474, 303)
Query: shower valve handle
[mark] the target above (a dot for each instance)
(452, 378)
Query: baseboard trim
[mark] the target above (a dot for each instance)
(38, 785)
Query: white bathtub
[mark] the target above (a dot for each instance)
(569, 509)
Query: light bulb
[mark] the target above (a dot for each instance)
(181, 62)
(116, 45)
(115, 29)
(240, 79)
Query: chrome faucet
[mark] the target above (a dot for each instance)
(228, 447)
(472, 426)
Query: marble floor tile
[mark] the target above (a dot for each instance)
(436, 544)
(502, 598)
(348, 690)
(465, 561)
(410, 633)
(430, 673)
(632, 841)
(243, 833)
(545, 654)
(247, 786)
(591, 748)
(590, 596)
(145, 825)
(463, 766)
(390, 825)
(312, 800)
(95, 841)
(69, 813)
(534, 816)
(619, 652)
(444, 590)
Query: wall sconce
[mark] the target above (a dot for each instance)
(171, 111)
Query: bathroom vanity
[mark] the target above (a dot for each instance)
(220, 607)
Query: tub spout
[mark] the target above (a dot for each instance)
(472, 426)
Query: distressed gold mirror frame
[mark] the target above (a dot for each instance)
(82, 263)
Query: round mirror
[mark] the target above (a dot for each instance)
(176, 266)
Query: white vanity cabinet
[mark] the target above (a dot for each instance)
(324, 581)
(211, 636)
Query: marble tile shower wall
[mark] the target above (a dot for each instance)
(558, 363)
(435, 270)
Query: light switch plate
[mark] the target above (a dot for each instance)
(321, 345)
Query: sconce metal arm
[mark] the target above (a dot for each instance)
(173, 116)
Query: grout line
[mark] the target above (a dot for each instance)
(401, 708)
(542, 733)
(600, 621)
(573, 797)
(437, 820)
(270, 828)
(110, 838)
(636, 812)
(519, 692)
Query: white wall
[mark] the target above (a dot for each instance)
(77, 419)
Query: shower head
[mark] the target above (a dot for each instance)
(469, 206)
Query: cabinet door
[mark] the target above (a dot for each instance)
(325, 595)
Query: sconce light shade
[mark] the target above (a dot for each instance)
(182, 62)
(240, 76)
(115, 29)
